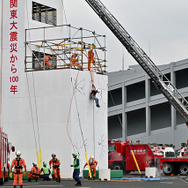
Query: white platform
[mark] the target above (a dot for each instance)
(104, 174)
(151, 172)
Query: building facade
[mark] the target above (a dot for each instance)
(138, 111)
(48, 110)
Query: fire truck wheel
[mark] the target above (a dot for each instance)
(117, 166)
(168, 168)
(183, 169)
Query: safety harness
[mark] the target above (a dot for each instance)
(54, 161)
(18, 167)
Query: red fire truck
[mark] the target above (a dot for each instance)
(120, 157)
(4, 157)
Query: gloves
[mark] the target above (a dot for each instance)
(24, 173)
(10, 174)
(72, 165)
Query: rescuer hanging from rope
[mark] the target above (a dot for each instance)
(18, 163)
(93, 93)
(74, 61)
(46, 62)
(35, 172)
(92, 163)
(55, 163)
(90, 58)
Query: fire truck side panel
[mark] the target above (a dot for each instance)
(4, 152)
(175, 160)
(143, 154)
(116, 155)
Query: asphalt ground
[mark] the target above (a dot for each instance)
(168, 182)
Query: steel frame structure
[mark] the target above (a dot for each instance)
(61, 42)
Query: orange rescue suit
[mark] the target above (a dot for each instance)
(18, 164)
(55, 163)
(90, 58)
(74, 61)
(92, 163)
(46, 61)
(35, 172)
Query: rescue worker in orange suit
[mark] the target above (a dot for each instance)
(35, 172)
(46, 61)
(18, 163)
(55, 163)
(90, 58)
(92, 163)
(74, 60)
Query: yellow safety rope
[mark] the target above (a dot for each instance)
(37, 156)
(40, 158)
(88, 165)
(135, 162)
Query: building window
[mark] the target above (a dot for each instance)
(136, 91)
(181, 78)
(37, 60)
(43, 13)
(160, 116)
(114, 97)
(115, 126)
(136, 122)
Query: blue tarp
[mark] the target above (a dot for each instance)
(138, 179)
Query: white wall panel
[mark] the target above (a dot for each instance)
(41, 109)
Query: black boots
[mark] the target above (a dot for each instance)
(58, 180)
(78, 184)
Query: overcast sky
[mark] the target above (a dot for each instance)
(160, 27)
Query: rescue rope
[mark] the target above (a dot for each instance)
(68, 119)
(64, 11)
(39, 154)
(82, 134)
(93, 130)
(31, 111)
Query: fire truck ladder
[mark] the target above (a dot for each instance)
(162, 83)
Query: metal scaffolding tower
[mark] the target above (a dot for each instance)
(61, 43)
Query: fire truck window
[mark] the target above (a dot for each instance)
(170, 154)
(111, 148)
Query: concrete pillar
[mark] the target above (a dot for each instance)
(124, 117)
(148, 114)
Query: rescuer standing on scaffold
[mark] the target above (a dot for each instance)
(74, 61)
(91, 58)
(18, 163)
(55, 163)
(46, 61)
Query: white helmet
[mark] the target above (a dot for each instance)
(34, 164)
(18, 153)
(92, 157)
